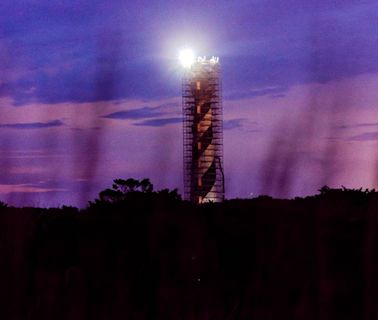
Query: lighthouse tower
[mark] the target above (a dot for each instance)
(203, 131)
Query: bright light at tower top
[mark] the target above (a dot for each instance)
(187, 58)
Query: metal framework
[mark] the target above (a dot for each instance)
(203, 132)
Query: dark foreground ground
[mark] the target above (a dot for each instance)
(156, 257)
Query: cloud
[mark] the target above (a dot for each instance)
(358, 125)
(149, 113)
(367, 136)
(227, 124)
(277, 96)
(274, 92)
(77, 56)
(33, 125)
(233, 123)
(140, 113)
(25, 188)
(158, 122)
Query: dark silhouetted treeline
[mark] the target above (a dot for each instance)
(135, 253)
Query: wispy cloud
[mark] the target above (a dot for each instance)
(274, 92)
(233, 123)
(33, 125)
(367, 136)
(158, 122)
(25, 188)
(357, 125)
(140, 113)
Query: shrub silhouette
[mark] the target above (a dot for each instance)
(325, 190)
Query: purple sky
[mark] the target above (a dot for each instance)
(90, 91)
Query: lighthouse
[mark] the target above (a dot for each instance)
(202, 129)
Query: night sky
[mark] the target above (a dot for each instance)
(90, 91)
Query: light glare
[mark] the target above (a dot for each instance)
(186, 58)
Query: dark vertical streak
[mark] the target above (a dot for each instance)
(108, 60)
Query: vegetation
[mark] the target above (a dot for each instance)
(136, 253)
(131, 190)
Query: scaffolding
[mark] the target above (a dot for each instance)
(203, 132)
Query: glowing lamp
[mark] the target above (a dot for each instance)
(186, 58)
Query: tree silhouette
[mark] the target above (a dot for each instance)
(121, 188)
(128, 189)
(132, 185)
